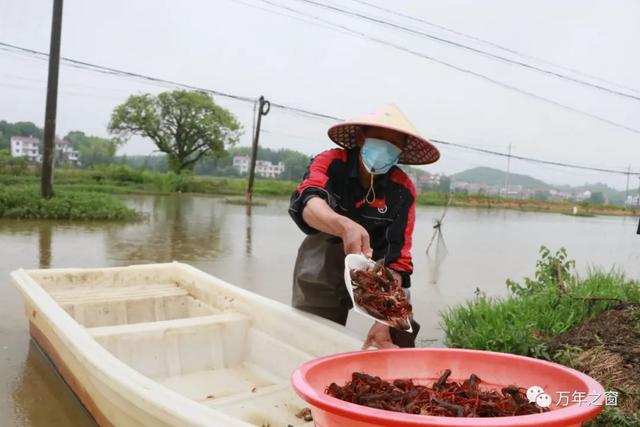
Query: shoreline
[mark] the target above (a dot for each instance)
(131, 181)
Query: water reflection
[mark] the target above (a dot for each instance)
(256, 249)
(248, 225)
(41, 398)
(44, 245)
(180, 228)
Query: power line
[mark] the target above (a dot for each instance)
(115, 71)
(467, 47)
(493, 44)
(533, 160)
(275, 12)
(463, 70)
(311, 114)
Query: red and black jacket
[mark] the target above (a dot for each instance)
(389, 219)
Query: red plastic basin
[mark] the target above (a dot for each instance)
(427, 364)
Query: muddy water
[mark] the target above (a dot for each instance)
(484, 247)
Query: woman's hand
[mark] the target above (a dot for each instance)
(379, 336)
(355, 238)
(320, 216)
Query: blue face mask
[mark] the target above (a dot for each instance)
(378, 155)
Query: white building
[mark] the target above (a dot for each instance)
(26, 146)
(429, 179)
(66, 153)
(264, 168)
(632, 202)
(241, 163)
(582, 196)
(267, 169)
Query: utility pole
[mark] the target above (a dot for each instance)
(506, 184)
(626, 194)
(263, 109)
(46, 179)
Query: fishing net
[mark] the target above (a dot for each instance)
(436, 253)
(437, 249)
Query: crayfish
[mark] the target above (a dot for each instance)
(443, 398)
(376, 291)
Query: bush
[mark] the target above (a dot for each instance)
(544, 306)
(26, 203)
(13, 165)
(614, 417)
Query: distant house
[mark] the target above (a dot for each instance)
(29, 147)
(241, 163)
(264, 168)
(267, 169)
(582, 196)
(26, 146)
(65, 153)
(555, 195)
(632, 201)
(468, 187)
(429, 179)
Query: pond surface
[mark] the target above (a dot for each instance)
(484, 247)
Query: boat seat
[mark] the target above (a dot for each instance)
(164, 325)
(116, 293)
(169, 348)
(98, 306)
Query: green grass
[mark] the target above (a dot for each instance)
(614, 417)
(536, 311)
(24, 202)
(127, 180)
(539, 309)
(124, 179)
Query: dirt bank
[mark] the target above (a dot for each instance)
(607, 348)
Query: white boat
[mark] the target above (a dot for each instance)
(169, 345)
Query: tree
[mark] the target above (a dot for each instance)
(541, 195)
(295, 165)
(7, 130)
(597, 198)
(93, 150)
(12, 165)
(185, 125)
(445, 184)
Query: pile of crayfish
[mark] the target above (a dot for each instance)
(443, 398)
(376, 291)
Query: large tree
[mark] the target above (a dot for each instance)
(185, 125)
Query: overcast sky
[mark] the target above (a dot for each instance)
(242, 47)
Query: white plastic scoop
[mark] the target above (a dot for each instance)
(361, 262)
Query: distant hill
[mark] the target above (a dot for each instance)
(490, 176)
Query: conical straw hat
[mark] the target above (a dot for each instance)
(418, 151)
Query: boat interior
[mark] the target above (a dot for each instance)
(193, 340)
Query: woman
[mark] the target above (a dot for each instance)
(355, 199)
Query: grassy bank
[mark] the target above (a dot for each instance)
(479, 201)
(124, 179)
(24, 202)
(545, 317)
